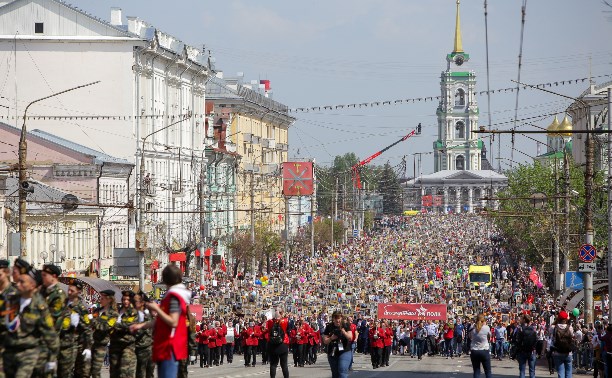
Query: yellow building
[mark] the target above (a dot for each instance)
(259, 129)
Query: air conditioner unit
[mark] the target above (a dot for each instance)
(250, 167)
(268, 143)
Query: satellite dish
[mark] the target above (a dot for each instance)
(70, 202)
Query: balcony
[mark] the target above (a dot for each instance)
(250, 167)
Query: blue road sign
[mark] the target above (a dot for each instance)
(573, 280)
(355, 233)
(587, 253)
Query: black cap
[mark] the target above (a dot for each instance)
(109, 292)
(4, 263)
(129, 293)
(35, 275)
(76, 283)
(22, 265)
(52, 269)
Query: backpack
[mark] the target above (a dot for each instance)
(563, 340)
(277, 336)
(528, 340)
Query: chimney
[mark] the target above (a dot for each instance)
(116, 17)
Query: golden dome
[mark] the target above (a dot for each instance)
(565, 128)
(552, 128)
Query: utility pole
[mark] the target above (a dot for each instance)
(203, 226)
(252, 210)
(312, 224)
(566, 214)
(24, 186)
(556, 263)
(610, 196)
(334, 212)
(588, 221)
(287, 237)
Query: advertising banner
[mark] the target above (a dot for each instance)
(411, 311)
(427, 200)
(196, 311)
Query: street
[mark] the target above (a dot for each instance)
(399, 366)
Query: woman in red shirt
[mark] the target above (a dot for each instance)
(376, 336)
(278, 350)
(448, 334)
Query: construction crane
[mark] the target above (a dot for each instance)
(357, 167)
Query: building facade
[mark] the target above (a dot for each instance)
(59, 169)
(149, 102)
(259, 129)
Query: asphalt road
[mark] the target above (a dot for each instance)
(399, 367)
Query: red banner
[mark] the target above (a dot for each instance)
(196, 311)
(411, 311)
(297, 179)
(427, 201)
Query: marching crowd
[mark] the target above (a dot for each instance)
(330, 306)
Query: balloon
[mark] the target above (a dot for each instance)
(540, 285)
(257, 282)
(201, 287)
(431, 282)
(411, 265)
(576, 312)
(264, 284)
(400, 271)
(339, 290)
(302, 279)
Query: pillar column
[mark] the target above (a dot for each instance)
(470, 204)
(495, 203)
(445, 188)
(458, 199)
(483, 203)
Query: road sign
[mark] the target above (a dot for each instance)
(355, 233)
(587, 253)
(573, 280)
(587, 267)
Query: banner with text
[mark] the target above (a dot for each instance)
(411, 311)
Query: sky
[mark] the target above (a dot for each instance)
(333, 52)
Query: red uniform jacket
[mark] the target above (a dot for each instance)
(212, 338)
(301, 336)
(388, 339)
(284, 322)
(202, 337)
(251, 336)
(376, 342)
(221, 333)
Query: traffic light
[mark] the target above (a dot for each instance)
(418, 129)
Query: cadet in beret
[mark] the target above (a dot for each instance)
(29, 325)
(122, 350)
(75, 335)
(144, 339)
(103, 322)
(56, 300)
(6, 292)
(19, 267)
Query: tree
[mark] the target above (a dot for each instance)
(242, 249)
(390, 188)
(267, 243)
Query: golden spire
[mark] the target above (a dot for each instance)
(458, 45)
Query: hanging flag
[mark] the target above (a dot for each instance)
(534, 276)
(223, 267)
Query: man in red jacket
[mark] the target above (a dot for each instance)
(251, 337)
(376, 336)
(263, 340)
(202, 339)
(387, 342)
(221, 340)
(212, 346)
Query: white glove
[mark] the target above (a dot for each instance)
(86, 354)
(119, 320)
(50, 367)
(192, 358)
(140, 316)
(90, 316)
(74, 319)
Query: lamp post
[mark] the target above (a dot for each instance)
(141, 238)
(23, 151)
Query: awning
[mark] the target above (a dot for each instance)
(178, 257)
(97, 284)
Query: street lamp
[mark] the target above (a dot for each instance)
(141, 238)
(23, 151)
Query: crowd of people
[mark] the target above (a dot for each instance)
(329, 305)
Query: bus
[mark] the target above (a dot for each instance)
(480, 275)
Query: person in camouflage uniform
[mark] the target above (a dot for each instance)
(29, 325)
(144, 339)
(56, 300)
(122, 350)
(103, 323)
(6, 292)
(192, 346)
(75, 332)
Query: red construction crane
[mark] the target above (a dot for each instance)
(357, 167)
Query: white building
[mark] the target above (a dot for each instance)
(148, 82)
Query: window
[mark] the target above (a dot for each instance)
(459, 130)
(460, 97)
(460, 163)
(38, 27)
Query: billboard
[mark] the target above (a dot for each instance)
(298, 179)
(427, 200)
(411, 311)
